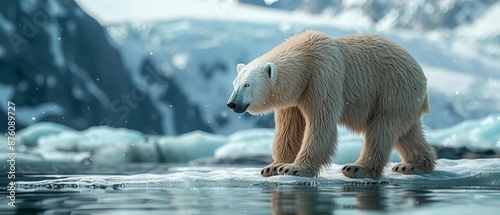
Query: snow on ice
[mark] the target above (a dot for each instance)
(478, 172)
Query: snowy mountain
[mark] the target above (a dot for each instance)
(166, 67)
(456, 20)
(414, 14)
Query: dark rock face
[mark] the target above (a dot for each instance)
(183, 120)
(58, 64)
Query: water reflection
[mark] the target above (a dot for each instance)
(316, 200)
(255, 199)
(301, 200)
(367, 197)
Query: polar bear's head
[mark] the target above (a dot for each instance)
(253, 88)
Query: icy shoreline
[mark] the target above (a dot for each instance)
(477, 172)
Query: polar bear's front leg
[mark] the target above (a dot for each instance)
(319, 144)
(289, 133)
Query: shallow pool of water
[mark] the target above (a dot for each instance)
(239, 190)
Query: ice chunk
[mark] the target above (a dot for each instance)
(89, 139)
(252, 142)
(30, 135)
(107, 145)
(349, 148)
(189, 146)
(482, 134)
(258, 142)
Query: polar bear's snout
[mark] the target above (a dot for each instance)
(237, 107)
(236, 103)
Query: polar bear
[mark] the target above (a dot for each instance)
(313, 82)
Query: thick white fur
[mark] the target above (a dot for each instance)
(364, 82)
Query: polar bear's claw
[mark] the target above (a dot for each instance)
(356, 171)
(292, 169)
(408, 169)
(270, 170)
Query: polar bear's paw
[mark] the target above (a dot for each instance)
(408, 169)
(292, 169)
(356, 171)
(271, 170)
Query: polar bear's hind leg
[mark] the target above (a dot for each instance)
(418, 156)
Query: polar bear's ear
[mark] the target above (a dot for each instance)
(271, 71)
(239, 66)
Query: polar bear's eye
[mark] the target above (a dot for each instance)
(247, 85)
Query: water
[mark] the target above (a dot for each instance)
(220, 190)
(370, 199)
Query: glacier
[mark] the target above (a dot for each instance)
(458, 83)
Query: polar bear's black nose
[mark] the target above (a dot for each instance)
(231, 105)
